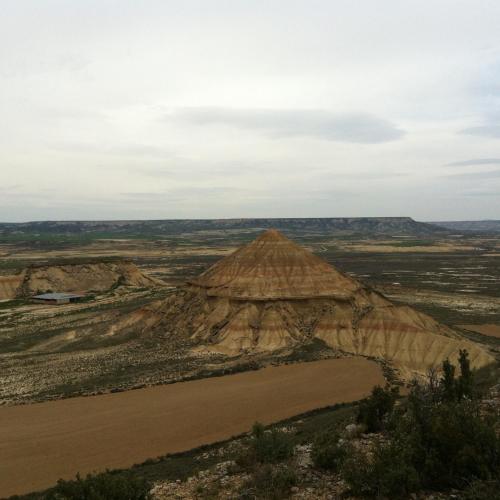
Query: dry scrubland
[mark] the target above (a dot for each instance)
(108, 344)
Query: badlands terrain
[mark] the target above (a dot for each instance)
(87, 348)
(158, 310)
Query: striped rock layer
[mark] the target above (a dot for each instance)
(273, 294)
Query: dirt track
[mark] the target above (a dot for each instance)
(43, 442)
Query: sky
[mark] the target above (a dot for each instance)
(119, 109)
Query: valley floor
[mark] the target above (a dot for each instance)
(55, 352)
(44, 442)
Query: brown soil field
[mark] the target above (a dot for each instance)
(43, 442)
(490, 330)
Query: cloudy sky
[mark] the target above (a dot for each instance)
(120, 109)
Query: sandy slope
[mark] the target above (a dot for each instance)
(10, 286)
(42, 442)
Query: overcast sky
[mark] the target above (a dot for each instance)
(121, 109)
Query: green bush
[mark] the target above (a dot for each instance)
(482, 490)
(389, 473)
(267, 447)
(451, 443)
(327, 453)
(269, 483)
(356, 471)
(373, 410)
(104, 486)
(438, 440)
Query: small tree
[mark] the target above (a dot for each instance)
(372, 411)
(448, 381)
(455, 389)
(465, 383)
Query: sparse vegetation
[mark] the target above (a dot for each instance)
(105, 486)
(328, 452)
(389, 473)
(438, 439)
(266, 446)
(269, 483)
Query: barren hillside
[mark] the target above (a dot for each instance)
(272, 294)
(96, 277)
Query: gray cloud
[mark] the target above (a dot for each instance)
(153, 100)
(492, 174)
(128, 150)
(477, 161)
(10, 189)
(481, 194)
(183, 194)
(343, 127)
(25, 66)
(492, 131)
(182, 168)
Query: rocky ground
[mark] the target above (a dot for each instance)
(225, 481)
(228, 480)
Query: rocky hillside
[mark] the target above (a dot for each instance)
(95, 277)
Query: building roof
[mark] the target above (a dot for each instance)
(58, 296)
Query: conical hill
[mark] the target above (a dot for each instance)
(273, 294)
(273, 267)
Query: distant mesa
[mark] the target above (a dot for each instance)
(474, 226)
(334, 225)
(95, 276)
(272, 294)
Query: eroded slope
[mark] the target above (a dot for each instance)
(272, 294)
(97, 277)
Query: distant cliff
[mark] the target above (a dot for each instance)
(361, 225)
(478, 226)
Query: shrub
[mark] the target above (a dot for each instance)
(451, 443)
(438, 440)
(356, 472)
(482, 490)
(373, 410)
(269, 482)
(389, 473)
(327, 453)
(267, 447)
(104, 486)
